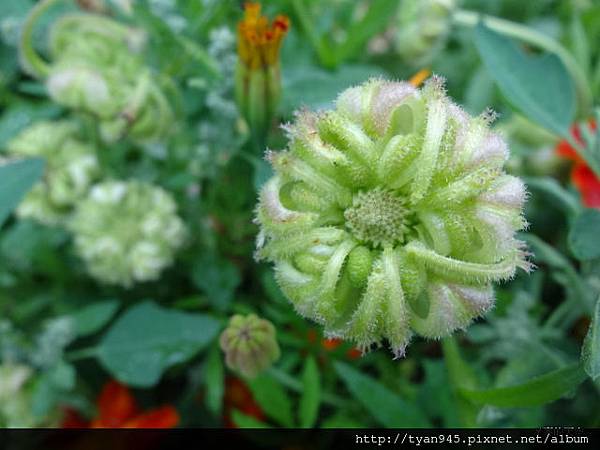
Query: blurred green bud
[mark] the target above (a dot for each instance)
(15, 400)
(249, 344)
(127, 232)
(258, 77)
(71, 168)
(423, 27)
(391, 215)
(97, 66)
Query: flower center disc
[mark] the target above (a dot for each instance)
(377, 217)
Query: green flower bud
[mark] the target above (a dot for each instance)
(258, 77)
(71, 167)
(249, 344)
(96, 66)
(423, 27)
(391, 215)
(127, 231)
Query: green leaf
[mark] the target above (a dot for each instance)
(343, 420)
(50, 388)
(538, 86)
(16, 178)
(461, 375)
(148, 339)
(573, 281)
(435, 397)
(385, 406)
(27, 243)
(214, 380)
(93, 317)
(590, 352)
(579, 43)
(244, 421)
(583, 235)
(62, 375)
(311, 394)
(556, 194)
(217, 277)
(538, 391)
(273, 399)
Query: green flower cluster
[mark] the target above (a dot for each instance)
(391, 215)
(127, 232)
(71, 168)
(96, 66)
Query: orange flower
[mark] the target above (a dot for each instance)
(581, 175)
(258, 41)
(418, 78)
(331, 344)
(118, 409)
(238, 396)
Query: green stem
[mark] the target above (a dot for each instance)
(531, 36)
(306, 22)
(296, 386)
(460, 376)
(31, 61)
(596, 76)
(559, 315)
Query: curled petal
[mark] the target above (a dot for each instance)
(452, 307)
(507, 191)
(462, 271)
(273, 214)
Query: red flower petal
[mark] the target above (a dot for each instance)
(164, 417)
(238, 396)
(236, 393)
(331, 344)
(564, 148)
(116, 405)
(353, 353)
(588, 184)
(72, 419)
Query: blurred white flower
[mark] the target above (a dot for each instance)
(71, 167)
(127, 232)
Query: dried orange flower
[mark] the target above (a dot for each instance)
(258, 41)
(258, 75)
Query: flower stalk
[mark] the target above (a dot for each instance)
(258, 72)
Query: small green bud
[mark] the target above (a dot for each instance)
(249, 344)
(391, 215)
(71, 168)
(127, 232)
(423, 27)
